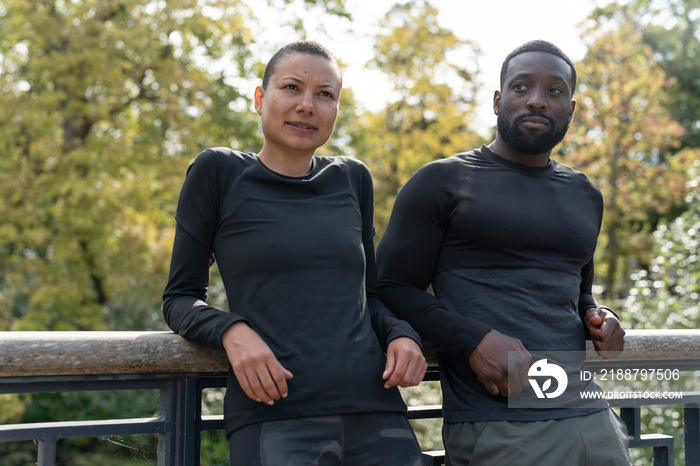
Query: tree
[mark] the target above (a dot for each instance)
(103, 106)
(671, 28)
(626, 140)
(433, 101)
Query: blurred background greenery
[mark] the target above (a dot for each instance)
(103, 104)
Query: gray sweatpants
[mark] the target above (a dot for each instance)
(598, 439)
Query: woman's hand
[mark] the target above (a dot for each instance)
(258, 371)
(405, 363)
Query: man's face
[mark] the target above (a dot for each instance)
(535, 105)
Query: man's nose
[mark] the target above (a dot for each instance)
(537, 100)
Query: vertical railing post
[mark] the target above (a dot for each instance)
(691, 432)
(46, 454)
(632, 418)
(167, 411)
(189, 420)
(664, 455)
(197, 418)
(176, 446)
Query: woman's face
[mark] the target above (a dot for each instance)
(300, 105)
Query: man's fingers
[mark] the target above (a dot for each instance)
(521, 366)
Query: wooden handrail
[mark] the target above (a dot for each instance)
(82, 353)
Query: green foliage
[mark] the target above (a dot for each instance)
(11, 409)
(67, 406)
(670, 28)
(667, 293)
(428, 431)
(625, 139)
(429, 116)
(103, 106)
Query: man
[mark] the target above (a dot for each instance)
(506, 235)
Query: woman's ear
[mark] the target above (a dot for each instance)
(258, 97)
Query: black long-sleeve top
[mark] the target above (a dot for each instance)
(505, 246)
(296, 256)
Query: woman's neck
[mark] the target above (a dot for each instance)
(287, 165)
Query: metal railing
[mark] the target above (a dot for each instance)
(50, 362)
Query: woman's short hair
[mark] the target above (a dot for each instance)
(301, 46)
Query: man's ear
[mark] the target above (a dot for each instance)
(573, 107)
(496, 101)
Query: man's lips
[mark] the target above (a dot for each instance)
(534, 121)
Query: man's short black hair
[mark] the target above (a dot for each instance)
(539, 46)
(300, 46)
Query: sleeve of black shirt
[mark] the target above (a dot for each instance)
(184, 300)
(586, 300)
(408, 255)
(385, 324)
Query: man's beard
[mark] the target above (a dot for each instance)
(527, 144)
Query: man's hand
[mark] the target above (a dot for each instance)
(405, 363)
(607, 334)
(491, 363)
(258, 371)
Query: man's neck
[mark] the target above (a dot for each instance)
(501, 148)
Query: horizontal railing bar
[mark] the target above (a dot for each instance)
(425, 412)
(49, 384)
(212, 422)
(39, 362)
(79, 353)
(76, 353)
(73, 429)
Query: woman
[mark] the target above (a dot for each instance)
(306, 333)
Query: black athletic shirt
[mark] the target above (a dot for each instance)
(296, 256)
(505, 246)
